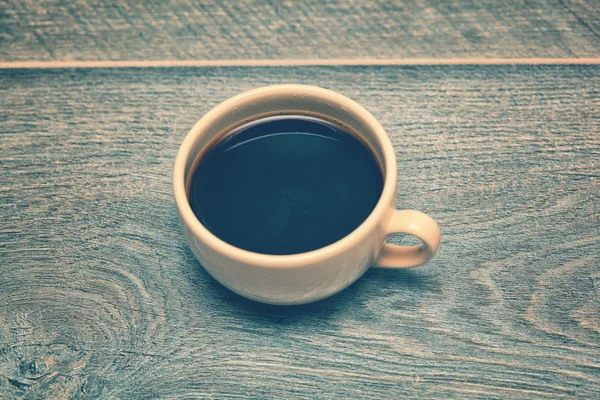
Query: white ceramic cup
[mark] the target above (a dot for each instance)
(306, 277)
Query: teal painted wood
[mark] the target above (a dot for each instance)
(264, 29)
(100, 296)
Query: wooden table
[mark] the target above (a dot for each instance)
(499, 140)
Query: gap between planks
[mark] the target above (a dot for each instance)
(297, 63)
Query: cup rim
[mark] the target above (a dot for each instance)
(287, 260)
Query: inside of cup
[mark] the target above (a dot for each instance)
(259, 104)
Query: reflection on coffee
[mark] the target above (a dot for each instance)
(285, 185)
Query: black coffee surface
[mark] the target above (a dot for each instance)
(285, 185)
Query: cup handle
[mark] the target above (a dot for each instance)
(417, 224)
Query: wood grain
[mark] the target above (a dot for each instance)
(100, 296)
(314, 29)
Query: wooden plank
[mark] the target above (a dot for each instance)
(324, 62)
(315, 29)
(100, 296)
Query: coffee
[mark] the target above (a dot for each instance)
(285, 185)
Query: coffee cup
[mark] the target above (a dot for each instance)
(313, 275)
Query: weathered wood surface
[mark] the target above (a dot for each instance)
(264, 29)
(100, 296)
